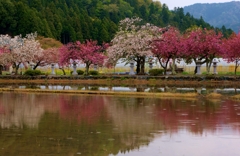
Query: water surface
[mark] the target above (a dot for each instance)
(225, 90)
(58, 124)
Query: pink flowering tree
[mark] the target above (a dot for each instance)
(91, 53)
(48, 57)
(203, 46)
(68, 54)
(88, 53)
(169, 46)
(231, 50)
(132, 42)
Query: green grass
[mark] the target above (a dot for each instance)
(185, 73)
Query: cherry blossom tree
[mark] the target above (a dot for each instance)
(132, 42)
(88, 53)
(10, 44)
(231, 50)
(4, 49)
(21, 50)
(203, 46)
(48, 56)
(91, 53)
(169, 46)
(3, 54)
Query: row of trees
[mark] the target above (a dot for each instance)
(134, 41)
(137, 42)
(29, 52)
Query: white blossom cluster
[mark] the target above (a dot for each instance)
(19, 50)
(132, 40)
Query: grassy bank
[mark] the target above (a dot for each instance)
(123, 80)
(138, 94)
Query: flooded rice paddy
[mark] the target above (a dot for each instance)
(229, 90)
(58, 124)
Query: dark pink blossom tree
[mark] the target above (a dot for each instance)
(91, 53)
(231, 50)
(169, 46)
(88, 53)
(202, 46)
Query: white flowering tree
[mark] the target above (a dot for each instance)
(5, 45)
(19, 50)
(132, 42)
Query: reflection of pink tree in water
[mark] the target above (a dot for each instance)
(197, 117)
(2, 109)
(83, 109)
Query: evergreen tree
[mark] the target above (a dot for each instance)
(70, 20)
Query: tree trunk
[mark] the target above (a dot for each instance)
(195, 70)
(142, 65)
(1, 69)
(64, 73)
(138, 65)
(164, 67)
(208, 66)
(87, 69)
(236, 66)
(16, 67)
(37, 64)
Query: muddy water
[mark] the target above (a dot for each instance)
(45, 124)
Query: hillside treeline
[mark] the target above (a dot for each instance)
(71, 20)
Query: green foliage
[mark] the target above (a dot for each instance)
(48, 42)
(80, 72)
(71, 20)
(123, 78)
(185, 73)
(156, 72)
(93, 72)
(33, 72)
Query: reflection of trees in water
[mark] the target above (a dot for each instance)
(82, 124)
(88, 109)
(68, 124)
(163, 89)
(18, 110)
(133, 119)
(197, 116)
(141, 88)
(32, 86)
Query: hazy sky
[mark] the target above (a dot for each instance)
(181, 3)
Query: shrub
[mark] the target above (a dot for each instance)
(80, 72)
(185, 73)
(93, 72)
(155, 72)
(33, 72)
(123, 78)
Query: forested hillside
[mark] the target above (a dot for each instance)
(218, 14)
(71, 20)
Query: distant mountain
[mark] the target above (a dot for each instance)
(217, 14)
